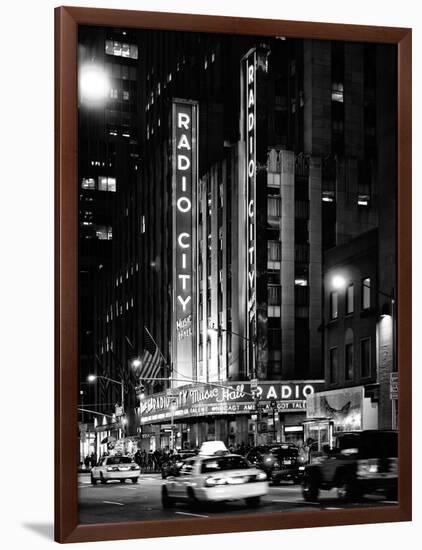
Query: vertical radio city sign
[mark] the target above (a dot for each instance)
(250, 143)
(184, 183)
(254, 131)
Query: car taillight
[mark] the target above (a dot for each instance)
(213, 481)
(261, 476)
(112, 468)
(393, 465)
(367, 467)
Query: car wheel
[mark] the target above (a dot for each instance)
(348, 490)
(135, 480)
(103, 481)
(122, 480)
(166, 500)
(253, 502)
(392, 494)
(193, 502)
(93, 480)
(310, 489)
(276, 481)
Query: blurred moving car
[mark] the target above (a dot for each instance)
(172, 464)
(360, 463)
(115, 467)
(280, 462)
(217, 478)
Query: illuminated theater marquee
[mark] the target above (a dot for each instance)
(184, 121)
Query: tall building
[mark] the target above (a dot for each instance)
(254, 157)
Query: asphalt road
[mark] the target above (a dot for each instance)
(115, 502)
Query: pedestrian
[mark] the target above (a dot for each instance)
(150, 463)
(87, 462)
(137, 458)
(143, 460)
(93, 459)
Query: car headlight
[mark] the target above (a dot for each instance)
(366, 467)
(135, 467)
(301, 468)
(261, 476)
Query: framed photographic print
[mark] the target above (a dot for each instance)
(233, 274)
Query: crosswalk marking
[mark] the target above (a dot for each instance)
(111, 502)
(189, 514)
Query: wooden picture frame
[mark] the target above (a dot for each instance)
(67, 20)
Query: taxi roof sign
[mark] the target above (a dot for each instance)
(212, 448)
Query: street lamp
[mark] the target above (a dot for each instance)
(94, 84)
(93, 377)
(136, 363)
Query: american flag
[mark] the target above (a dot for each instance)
(151, 357)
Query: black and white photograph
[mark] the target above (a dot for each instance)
(237, 275)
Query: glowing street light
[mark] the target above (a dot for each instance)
(94, 84)
(136, 363)
(338, 282)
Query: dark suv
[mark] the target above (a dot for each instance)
(360, 462)
(279, 462)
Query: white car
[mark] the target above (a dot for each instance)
(218, 478)
(115, 467)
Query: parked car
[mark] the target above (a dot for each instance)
(115, 467)
(360, 463)
(172, 464)
(217, 478)
(279, 462)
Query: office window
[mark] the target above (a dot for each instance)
(332, 365)
(334, 305)
(106, 184)
(121, 50)
(274, 251)
(337, 92)
(365, 357)
(274, 295)
(274, 206)
(88, 183)
(348, 362)
(350, 299)
(366, 293)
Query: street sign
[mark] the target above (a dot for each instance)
(118, 411)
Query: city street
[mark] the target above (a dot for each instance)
(116, 502)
